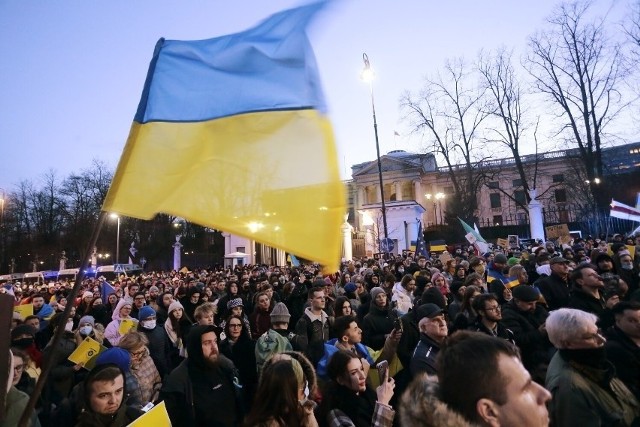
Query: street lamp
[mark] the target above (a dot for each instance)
(115, 216)
(367, 75)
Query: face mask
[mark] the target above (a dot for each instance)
(86, 330)
(401, 270)
(149, 324)
(22, 343)
(69, 326)
(627, 266)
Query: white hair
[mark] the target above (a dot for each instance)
(565, 324)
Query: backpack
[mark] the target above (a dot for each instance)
(269, 344)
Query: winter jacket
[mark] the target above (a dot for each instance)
(15, 403)
(112, 331)
(555, 290)
(159, 348)
(534, 345)
(625, 356)
(584, 396)
(583, 301)
(375, 326)
(421, 406)
(313, 331)
(424, 356)
(403, 298)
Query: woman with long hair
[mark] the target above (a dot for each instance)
(142, 366)
(349, 401)
(342, 307)
(467, 314)
(177, 327)
(241, 350)
(283, 398)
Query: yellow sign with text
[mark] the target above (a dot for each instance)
(86, 353)
(156, 417)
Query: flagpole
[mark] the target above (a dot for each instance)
(25, 419)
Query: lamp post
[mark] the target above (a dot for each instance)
(117, 238)
(367, 76)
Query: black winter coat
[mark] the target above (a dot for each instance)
(375, 326)
(625, 356)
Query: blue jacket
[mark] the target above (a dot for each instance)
(330, 348)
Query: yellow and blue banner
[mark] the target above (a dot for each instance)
(232, 133)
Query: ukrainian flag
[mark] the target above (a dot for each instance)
(232, 133)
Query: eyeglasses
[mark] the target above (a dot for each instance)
(235, 325)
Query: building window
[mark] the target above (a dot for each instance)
(240, 249)
(493, 184)
(516, 183)
(495, 200)
(560, 195)
(521, 197)
(497, 220)
(558, 178)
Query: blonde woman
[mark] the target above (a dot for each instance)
(142, 366)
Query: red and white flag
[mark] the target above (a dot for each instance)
(620, 210)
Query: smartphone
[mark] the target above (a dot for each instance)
(397, 324)
(382, 368)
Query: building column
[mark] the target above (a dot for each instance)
(378, 193)
(398, 186)
(536, 220)
(361, 197)
(417, 189)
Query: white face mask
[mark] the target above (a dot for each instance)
(149, 324)
(86, 330)
(627, 266)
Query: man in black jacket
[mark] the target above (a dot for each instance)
(159, 345)
(489, 320)
(587, 295)
(623, 344)
(555, 288)
(433, 331)
(201, 391)
(526, 319)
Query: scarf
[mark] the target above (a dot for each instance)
(173, 336)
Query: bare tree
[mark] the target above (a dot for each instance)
(449, 112)
(580, 70)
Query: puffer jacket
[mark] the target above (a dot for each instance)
(421, 406)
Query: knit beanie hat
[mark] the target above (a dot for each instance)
(236, 302)
(174, 306)
(154, 288)
(87, 319)
(87, 294)
(436, 276)
(280, 314)
(116, 355)
(375, 292)
(22, 330)
(146, 312)
(513, 261)
(350, 287)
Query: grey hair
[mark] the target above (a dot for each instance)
(563, 325)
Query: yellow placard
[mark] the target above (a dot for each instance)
(502, 242)
(156, 417)
(126, 325)
(86, 353)
(555, 231)
(24, 310)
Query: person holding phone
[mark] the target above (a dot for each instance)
(349, 401)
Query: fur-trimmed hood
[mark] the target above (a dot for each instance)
(421, 406)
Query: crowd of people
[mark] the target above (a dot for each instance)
(527, 337)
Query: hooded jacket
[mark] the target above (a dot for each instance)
(112, 331)
(198, 393)
(421, 406)
(375, 326)
(124, 416)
